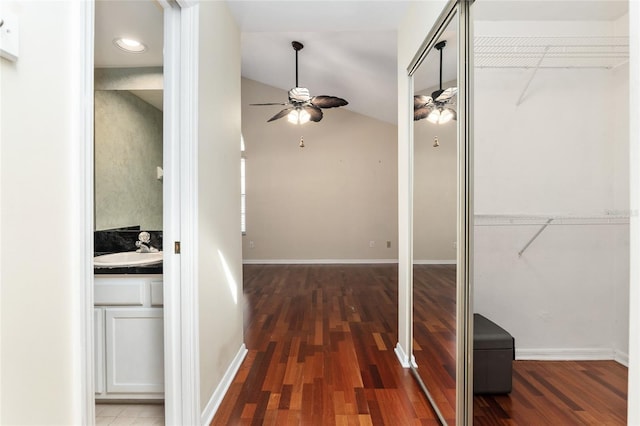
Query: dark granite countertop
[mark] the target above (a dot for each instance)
(152, 269)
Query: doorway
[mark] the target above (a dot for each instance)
(181, 397)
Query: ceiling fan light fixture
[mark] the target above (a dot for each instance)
(434, 116)
(446, 116)
(129, 45)
(298, 116)
(293, 116)
(303, 116)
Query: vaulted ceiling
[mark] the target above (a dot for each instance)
(350, 46)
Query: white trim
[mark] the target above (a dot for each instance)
(621, 357)
(174, 404)
(435, 262)
(189, 116)
(317, 261)
(404, 359)
(565, 354)
(218, 395)
(84, 178)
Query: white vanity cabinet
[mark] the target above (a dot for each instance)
(129, 354)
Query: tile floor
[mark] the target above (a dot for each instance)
(130, 414)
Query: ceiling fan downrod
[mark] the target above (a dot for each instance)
(440, 45)
(297, 46)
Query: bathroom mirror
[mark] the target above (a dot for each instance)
(128, 159)
(434, 221)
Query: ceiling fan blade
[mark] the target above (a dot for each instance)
(447, 94)
(420, 113)
(271, 103)
(421, 100)
(328, 101)
(314, 112)
(280, 114)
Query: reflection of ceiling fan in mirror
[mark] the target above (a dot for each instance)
(440, 106)
(302, 107)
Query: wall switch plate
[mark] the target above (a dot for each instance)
(9, 37)
(372, 243)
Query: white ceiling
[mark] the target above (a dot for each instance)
(350, 46)
(140, 20)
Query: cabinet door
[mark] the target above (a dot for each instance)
(135, 358)
(98, 349)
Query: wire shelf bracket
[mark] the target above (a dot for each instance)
(536, 235)
(533, 74)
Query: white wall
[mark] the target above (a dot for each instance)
(40, 203)
(633, 417)
(411, 33)
(557, 153)
(219, 238)
(323, 202)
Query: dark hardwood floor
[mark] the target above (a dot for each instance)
(434, 333)
(559, 393)
(321, 339)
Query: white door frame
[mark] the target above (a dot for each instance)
(182, 369)
(182, 399)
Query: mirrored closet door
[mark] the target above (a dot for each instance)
(440, 230)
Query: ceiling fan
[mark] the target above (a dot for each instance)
(302, 107)
(440, 106)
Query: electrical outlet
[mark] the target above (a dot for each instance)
(388, 244)
(455, 244)
(251, 244)
(372, 243)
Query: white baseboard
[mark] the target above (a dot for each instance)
(434, 262)
(621, 357)
(216, 399)
(316, 261)
(404, 359)
(569, 354)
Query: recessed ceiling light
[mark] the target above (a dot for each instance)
(129, 45)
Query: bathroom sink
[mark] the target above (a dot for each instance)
(128, 258)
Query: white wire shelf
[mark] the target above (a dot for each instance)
(550, 220)
(551, 52)
(544, 221)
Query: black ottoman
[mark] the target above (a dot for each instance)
(493, 353)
